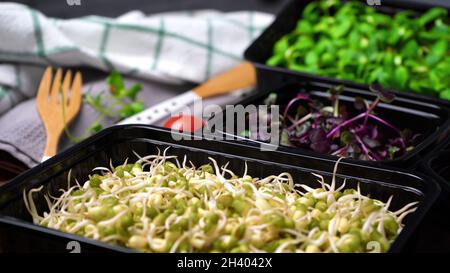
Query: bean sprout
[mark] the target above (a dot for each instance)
(156, 205)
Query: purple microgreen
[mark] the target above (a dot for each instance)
(363, 146)
(300, 121)
(383, 153)
(386, 123)
(334, 147)
(319, 141)
(370, 142)
(290, 118)
(370, 108)
(335, 92)
(334, 121)
(340, 152)
(302, 111)
(360, 104)
(354, 150)
(348, 122)
(299, 97)
(383, 94)
(331, 128)
(374, 132)
(399, 141)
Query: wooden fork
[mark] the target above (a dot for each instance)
(51, 97)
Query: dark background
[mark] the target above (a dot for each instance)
(112, 8)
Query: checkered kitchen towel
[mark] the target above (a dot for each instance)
(169, 47)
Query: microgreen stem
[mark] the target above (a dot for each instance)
(298, 98)
(122, 103)
(370, 109)
(339, 151)
(345, 123)
(336, 107)
(385, 123)
(300, 121)
(365, 148)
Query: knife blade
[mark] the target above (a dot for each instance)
(157, 112)
(240, 77)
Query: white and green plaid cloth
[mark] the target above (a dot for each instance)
(169, 47)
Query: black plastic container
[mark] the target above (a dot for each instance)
(270, 78)
(433, 234)
(437, 163)
(17, 233)
(427, 117)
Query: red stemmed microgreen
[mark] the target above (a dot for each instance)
(332, 129)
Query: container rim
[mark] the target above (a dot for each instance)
(310, 79)
(431, 194)
(440, 150)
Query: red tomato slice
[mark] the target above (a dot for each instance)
(184, 123)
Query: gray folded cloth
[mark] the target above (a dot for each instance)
(22, 132)
(170, 47)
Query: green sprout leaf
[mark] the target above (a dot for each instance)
(437, 52)
(392, 151)
(95, 127)
(115, 82)
(401, 76)
(431, 15)
(410, 50)
(118, 104)
(350, 41)
(445, 94)
(131, 109)
(133, 91)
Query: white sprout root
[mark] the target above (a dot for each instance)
(157, 205)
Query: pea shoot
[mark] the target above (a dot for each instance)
(352, 41)
(118, 103)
